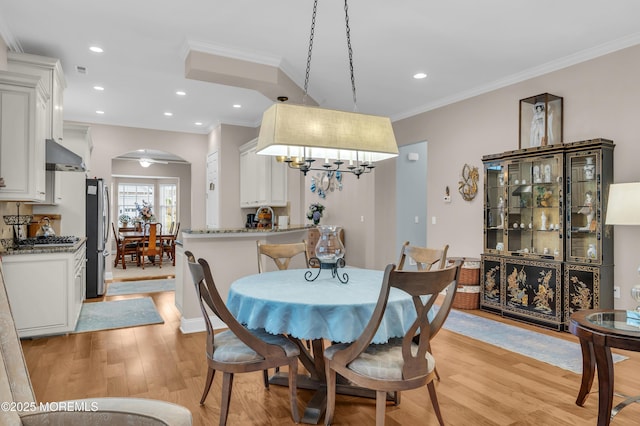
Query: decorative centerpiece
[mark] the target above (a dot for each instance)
(315, 212)
(145, 212)
(329, 254)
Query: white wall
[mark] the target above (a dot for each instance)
(112, 141)
(600, 100)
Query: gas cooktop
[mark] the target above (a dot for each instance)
(56, 241)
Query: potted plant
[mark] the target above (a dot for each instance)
(124, 219)
(315, 212)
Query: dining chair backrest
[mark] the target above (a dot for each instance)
(173, 224)
(281, 254)
(209, 297)
(176, 230)
(152, 232)
(115, 233)
(425, 258)
(417, 284)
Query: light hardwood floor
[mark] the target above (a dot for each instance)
(481, 384)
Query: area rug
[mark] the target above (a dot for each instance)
(548, 349)
(135, 287)
(118, 314)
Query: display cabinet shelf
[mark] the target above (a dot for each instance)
(544, 209)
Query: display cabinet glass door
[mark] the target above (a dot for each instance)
(535, 219)
(495, 215)
(584, 207)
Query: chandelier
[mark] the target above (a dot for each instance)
(300, 134)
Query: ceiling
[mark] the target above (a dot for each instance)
(467, 47)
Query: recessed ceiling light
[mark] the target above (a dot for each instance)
(98, 88)
(99, 112)
(181, 93)
(237, 106)
(198, 123)
(168, 114)
(420, 75)
(96, 49)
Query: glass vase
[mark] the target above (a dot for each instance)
(329, 248)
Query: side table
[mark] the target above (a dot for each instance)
(599, 331)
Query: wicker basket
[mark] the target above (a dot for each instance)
(465, 299)
(469, 276)
(468, 293)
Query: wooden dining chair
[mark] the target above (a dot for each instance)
(238, 349)
(426, 259)
(123, 249)
(151, 244)
(169, 245)
(281, 254)
(402, 363)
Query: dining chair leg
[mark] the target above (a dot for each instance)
(227, 384)
(293, 390)
(331, 394)
(207, 385)
(434, 401)
(381, 407)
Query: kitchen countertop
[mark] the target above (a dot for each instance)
(41, 250)
(226, 231)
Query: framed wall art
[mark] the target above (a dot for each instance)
(540, 120)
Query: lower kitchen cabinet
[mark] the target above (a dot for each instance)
(45, 291)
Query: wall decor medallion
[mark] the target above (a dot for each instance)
(468, 186)
(326, 182)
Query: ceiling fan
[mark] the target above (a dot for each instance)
(146, 162)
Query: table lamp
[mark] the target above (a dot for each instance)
(623, 208)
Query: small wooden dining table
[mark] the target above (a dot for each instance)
(284, 302)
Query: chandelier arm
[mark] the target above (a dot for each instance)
(313, 29)
(350, 50)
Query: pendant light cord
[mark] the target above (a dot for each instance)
(349, 49)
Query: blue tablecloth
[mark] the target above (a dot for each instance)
(284, 302)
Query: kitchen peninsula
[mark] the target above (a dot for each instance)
(231, 253)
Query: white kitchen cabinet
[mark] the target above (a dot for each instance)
(263, 181)
(45, 290)
(50, 70)
(22, 137)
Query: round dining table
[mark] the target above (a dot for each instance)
(285, 302)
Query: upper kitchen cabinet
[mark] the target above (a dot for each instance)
(50, 70)
(263, 181)
(23, 101)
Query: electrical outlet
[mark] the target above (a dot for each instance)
(616, 292)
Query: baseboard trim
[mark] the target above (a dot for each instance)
(196, 325)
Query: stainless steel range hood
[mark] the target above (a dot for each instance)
(62, 159)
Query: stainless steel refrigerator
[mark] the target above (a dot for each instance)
(97, 209)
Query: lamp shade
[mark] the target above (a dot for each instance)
(312, 132)
(623, 207)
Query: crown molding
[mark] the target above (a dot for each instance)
(546, 68)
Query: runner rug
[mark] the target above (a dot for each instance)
(118, 314)
(549, 349)
(144, 286)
